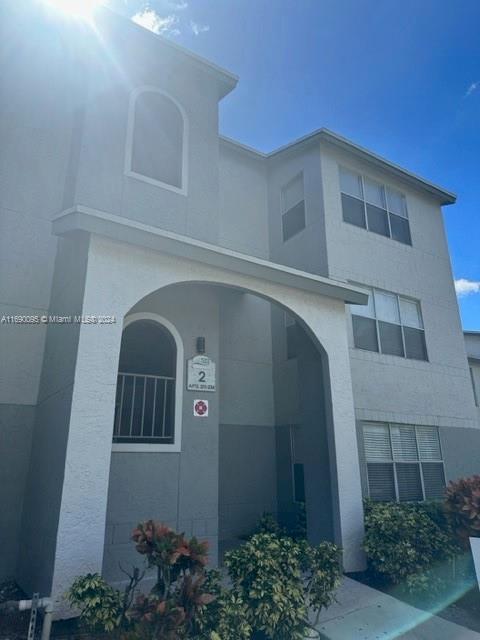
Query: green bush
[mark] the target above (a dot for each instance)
(407, 543)
(100, 604)
(268, 523)
(462, 503)
(278, 579)
(275, 580)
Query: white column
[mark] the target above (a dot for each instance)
(330, 329)
(81, 526)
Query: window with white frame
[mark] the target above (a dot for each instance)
(156, 140)
(374, 206)
(293, 208)
(146, 385)
(389, 324)
(404, 462)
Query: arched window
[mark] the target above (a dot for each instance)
(156, 141)
(146, 400)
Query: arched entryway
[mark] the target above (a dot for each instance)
(188, 483)
(263, 446)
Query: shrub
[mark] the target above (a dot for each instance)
(172, 609)
(279, 579)
(268, 523)
(404, 545)
(275, 581)
(462, 503)
(100, 604)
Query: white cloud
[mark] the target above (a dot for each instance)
(199, 28)
(168, 5)
(150, 19)
(465, 287)
(473, 87)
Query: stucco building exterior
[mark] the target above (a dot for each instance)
(135, 238)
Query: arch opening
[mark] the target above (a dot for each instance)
(146, 399)
(264, 446)
(156, 139)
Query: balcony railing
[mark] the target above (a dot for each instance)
(144, 409)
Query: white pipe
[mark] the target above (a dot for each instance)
(42, 603)
(47, 619)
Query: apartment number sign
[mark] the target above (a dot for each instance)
(201, 374)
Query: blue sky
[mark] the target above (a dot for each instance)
(400, 78)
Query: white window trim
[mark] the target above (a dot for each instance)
(399, 297)
(176, 446)
(385, 186)
(183, 190)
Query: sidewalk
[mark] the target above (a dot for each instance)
(363, 613)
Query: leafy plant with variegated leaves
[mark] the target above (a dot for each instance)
(462, 503)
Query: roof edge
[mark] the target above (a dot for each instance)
(82, 218)
(229, 79)
(325, 135)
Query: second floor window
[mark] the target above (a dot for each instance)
(374, 206)
(389, 324)
(156, 145)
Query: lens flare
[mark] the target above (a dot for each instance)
(80, 9)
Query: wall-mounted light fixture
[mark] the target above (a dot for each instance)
(200, 344)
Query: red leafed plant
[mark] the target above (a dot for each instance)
(462, 503)
(179, 594)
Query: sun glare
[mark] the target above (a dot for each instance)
(81, 9)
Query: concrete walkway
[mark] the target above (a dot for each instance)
(363, 613)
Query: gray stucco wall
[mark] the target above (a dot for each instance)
(306, 250)
(386, 387)
(243, 220)
(472, 344)
(247, 476)
(35, 120)
(101, 182)
(461, 452)
(180, 489)
(16, 426)
(47, 461)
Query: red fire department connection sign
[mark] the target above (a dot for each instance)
(200, 408)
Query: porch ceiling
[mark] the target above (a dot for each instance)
(80, 218)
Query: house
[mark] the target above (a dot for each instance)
(198, 332)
